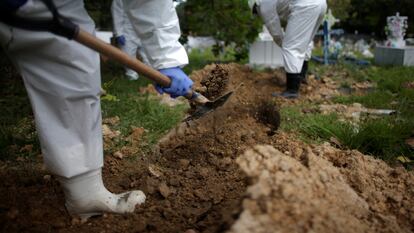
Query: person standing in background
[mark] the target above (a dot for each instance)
(125, 36)
(302, 18)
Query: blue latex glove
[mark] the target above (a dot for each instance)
(181, 84)
(120, 40)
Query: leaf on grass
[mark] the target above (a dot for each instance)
(109, 97)
(404, 159)
(108, 133)
(27, 148)
(150, 89)
(136, 135)
(118, 155)
(111, 120)
(335, 141)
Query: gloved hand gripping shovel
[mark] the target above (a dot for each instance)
(62, 26)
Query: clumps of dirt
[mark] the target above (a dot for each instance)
(388, 191)
(215, 83)
(288, 196)
(323, 189)
(268, 114)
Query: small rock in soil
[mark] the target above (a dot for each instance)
(174, 182)
(118, 155)
(154, 170)
(201, 194)
(203, 172)
(184, 163)
(164, 190)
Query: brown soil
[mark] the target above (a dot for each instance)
(323, 189)
(215, 83)
(204, 177)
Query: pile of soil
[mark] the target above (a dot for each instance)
(196, 180)
(322, 189)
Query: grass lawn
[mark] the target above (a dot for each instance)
(382, 137)
(134, 109)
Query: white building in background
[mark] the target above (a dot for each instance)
(264, 52)
(199, 42)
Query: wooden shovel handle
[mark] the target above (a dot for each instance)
(116, 54)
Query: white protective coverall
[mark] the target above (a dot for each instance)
(156, 24)
(303, 19)
(62, 79)
(122, 26)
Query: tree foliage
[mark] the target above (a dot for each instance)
(229, 21)
(340, 8)
(100, 12)
(369, 16)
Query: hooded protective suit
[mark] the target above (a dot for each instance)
(122, 27)
(62, 78)
(156, 24)
(303, 18)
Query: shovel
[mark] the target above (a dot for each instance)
(203, 105)
(62, 26)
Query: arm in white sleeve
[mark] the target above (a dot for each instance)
(268, 12)
(156, 24)
(118, 15)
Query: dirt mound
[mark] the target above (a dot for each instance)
(311, 194)
(194, 181)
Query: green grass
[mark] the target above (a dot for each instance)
(198, 58)
(376, 99)
(133, 108)
(389, 92)
(381, 137)
(136, 109)
(385, 137)
(16, 119)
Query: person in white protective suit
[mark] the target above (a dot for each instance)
(62, 79)
(302, 18)
(125, 36)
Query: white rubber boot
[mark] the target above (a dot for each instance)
(87, 196)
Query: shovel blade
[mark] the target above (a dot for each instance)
(210, 106)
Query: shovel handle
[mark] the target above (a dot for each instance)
(116, 54)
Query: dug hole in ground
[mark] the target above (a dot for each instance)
(231, 171)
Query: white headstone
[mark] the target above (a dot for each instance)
(395, 30)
